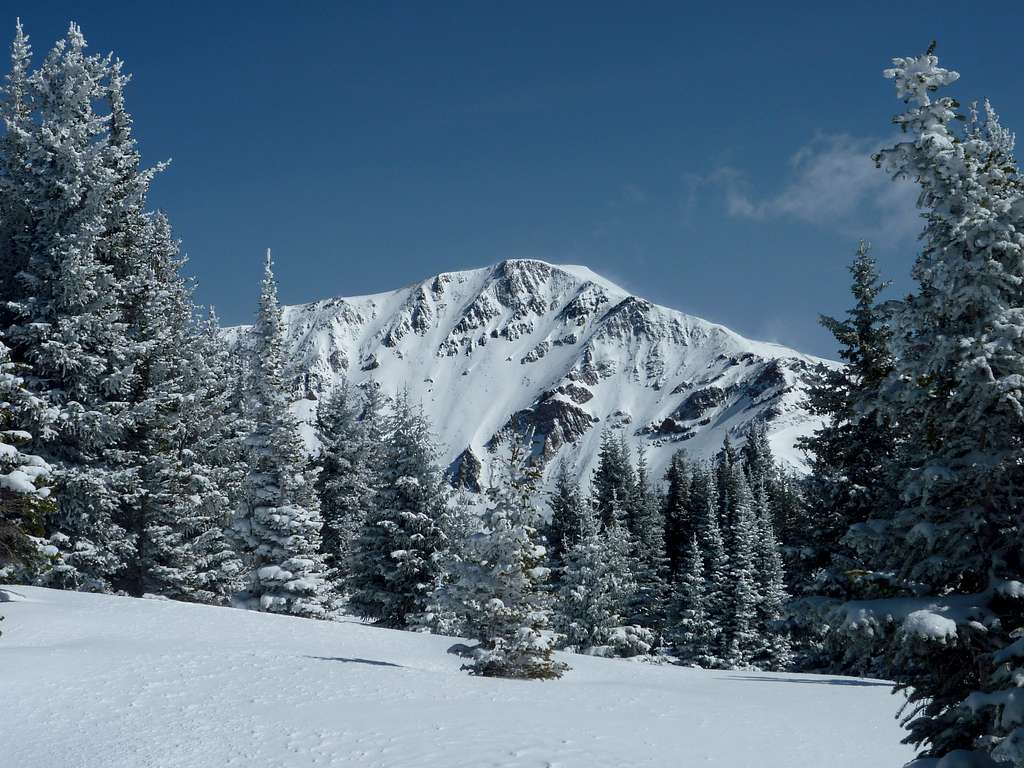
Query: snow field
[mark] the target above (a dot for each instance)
(92, 681)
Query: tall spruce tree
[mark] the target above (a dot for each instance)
(774, 651)
(711, 543)
(596, 591)
(692, 630)
(740, 628)
(94, 305)
(397, 555)
(279, 520)
(212, 460)
(570, 517)
(956, 390)
(678, 514)
(24, 493)
(614, 482)
(498, 586)
(647, 530)
(63, 312)
(852, 454)
(346, 483)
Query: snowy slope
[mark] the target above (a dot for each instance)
(556, 348)
(90, 681)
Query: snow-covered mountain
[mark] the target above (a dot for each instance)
(555, 348)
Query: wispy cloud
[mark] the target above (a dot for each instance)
(830, 182)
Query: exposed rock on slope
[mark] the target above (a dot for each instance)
(553, 349)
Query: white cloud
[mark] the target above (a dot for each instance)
(831, 182)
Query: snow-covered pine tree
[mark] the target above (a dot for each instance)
(146, 460)
(710, 542)
(596, 589)
(647, 530)
(725, 460)
(774, 650)
(63, 311)
(279, 521)
(498, 586)
(16, 114)
(583, 608)
(762, 475)
(957, 391)
(851, 455)
(194, 462)
(614, 481)
(346, 481)
(692, 630)
(756, 454)
(569, 516)
(396, 559)
(740, 628)
(24, 494)
(168, 494)
(677, 513)
(211, 466)
(443, 614)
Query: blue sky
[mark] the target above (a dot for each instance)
(709, 157)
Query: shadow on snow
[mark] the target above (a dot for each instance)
(372, 662)
(824, 681)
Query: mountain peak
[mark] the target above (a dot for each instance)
(556, 349)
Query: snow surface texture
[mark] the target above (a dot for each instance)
(93, 680)
(558, 348)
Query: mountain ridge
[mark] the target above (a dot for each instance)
(554, 348)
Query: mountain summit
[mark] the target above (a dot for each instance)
(557, 349)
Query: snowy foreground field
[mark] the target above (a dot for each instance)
(113, 682)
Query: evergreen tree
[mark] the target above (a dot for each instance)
(758, 461)
(710, 542)
(851, 455)
(692, 630)
(569, 515)
(346, 481)
(279, 520)
(596, 590)
(774, 651)
(443, 614)
(206, 468)
(678, 514)
(95, 306)
(24, 493)
(398, 553)
(613, 480)
(956, 392)
(498, 587)
(725, 492)
(740, 630)
(647, 530)
(63, 309)
(154, 467)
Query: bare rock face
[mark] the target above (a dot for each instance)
(558, 353)
(699, 402)
(552, 422)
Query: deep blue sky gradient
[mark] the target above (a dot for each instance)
(685, 151)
